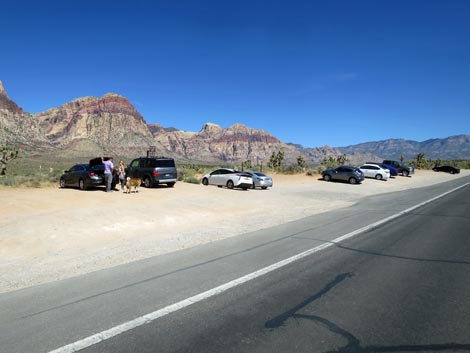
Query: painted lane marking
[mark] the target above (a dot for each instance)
(148, 318)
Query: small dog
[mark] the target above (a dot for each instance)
(132, 182)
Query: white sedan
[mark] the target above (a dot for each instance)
(260, 180)
(375, 171)
(228, 177)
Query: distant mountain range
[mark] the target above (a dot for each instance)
(453, 147)
(91, 126)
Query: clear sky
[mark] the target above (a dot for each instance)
(309, 72)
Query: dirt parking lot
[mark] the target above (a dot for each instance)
(52, 234)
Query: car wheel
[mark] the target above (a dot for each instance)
(205, 181)
(378, 177)
(327, 177)
(253, 186)
(352, 180)
(245, 189)
(170, 185)
(405, 173)
(62, 183)
(81, 184)
(147, 182)
(451, 172)
(264, 187)
(230, 184)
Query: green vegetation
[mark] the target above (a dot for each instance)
(420, 162)
(37, 171)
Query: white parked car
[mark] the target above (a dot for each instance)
(375, 171)
(260, 180)
(228, 177)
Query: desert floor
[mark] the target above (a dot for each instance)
(51, 234)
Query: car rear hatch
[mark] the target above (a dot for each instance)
(165, 173)
(245, 180)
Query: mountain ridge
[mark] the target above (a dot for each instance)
(111, 124)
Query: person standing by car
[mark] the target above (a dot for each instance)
(122, 175)
(108, 172)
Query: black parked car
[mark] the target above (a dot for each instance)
(153, 171)
(353, 175)
(82, 176)
(447, 169)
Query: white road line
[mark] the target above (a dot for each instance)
(127, 326)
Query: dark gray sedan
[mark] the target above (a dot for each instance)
(81, 176)
(352, 175)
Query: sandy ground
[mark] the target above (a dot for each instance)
(52, 234)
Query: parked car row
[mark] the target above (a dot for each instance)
(158, 171)
(162, 170)
(380, 171)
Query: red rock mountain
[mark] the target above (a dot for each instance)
(109, 120)
(90, 126)
(7, 104)
(213, 143)
(19, 129)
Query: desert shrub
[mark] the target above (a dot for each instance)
(30, 180)
(315, 170)
(292, 169)
(192, 180)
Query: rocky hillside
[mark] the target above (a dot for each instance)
(454, 147)
(232, 145)
(91, 126)
(110, 124)
(109, 121)
(18, 128)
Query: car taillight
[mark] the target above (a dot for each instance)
(155, 173)
(90, 174)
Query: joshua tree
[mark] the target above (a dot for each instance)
(342, 159)
(276, 159)
(301, 161)
(420, 161)
(7, 155)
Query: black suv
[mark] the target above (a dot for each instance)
(153, 171)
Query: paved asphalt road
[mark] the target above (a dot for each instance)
(402, 286)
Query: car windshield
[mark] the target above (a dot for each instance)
(260, 174)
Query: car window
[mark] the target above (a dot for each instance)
(135, 163)
(216, 172)
(260, 174)
(365, 167)
(344, 169)
(150, 163)
(164, 163)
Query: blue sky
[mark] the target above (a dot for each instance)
(310, 72)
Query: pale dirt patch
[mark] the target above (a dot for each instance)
(52, 234)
